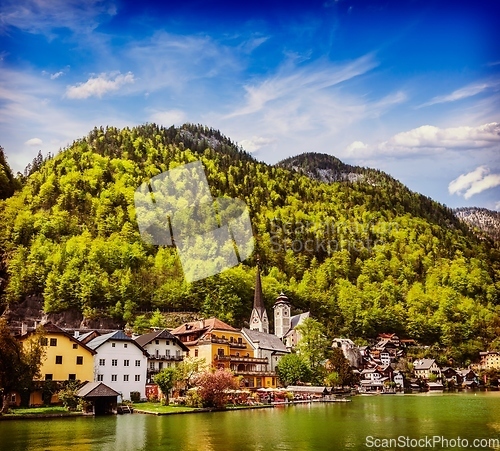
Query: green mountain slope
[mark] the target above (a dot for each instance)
(364, 255)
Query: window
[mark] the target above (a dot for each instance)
(125, 378)
(196, 352)
(100, 378)
(167, 352)
(53, 342)
(102, 362)
(126, 362)
(137, 377)
(75, 346)
(137, 363)
(48, 377)
(113, 377)
(72, 377)
(58, 359)
(157, 342)
(151, 365)
(220, 352)
(79, 360)
(114, 362)
(167, 342)
(13, 397)
(125, 345)
(240, 340)
(177, 353)
(44, 341)
(113, 345)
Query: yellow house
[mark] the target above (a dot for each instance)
(65, 358)
(490, 360)
(223, 346)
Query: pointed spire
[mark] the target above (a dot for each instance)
(258, 298)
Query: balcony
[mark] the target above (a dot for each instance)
(237, 359)
(237, 345)
(166, 357)
(255, 373)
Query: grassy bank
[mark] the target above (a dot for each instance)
(158, 408)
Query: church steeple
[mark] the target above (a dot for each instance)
(258, 319)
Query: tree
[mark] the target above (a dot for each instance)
(291, 369)
(67, 395)
(157, 320)
(339, 366)
(166, 380)
(18, 364)
(213, 386)
(312, 346)
(187, 371)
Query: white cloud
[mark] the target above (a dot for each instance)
(56, 75)
(256, 143)
(429, 139)
(465, 92)
(474, 182)
(100, 85)
(356, 148)
(34, 142)
(169, 117)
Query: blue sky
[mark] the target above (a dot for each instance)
(409, 87)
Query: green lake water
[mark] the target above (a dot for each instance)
(315, 426)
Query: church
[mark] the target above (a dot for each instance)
(284, 324)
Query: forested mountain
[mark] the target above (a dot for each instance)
(364, 255)
(483, 220)
(8, 182)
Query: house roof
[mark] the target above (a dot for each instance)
(423, 364)
(265, 341)
(53, 329)
(95, 390)
(117, 335)
(203, 325)
(145, 339)
(82, 337)
(296, 320)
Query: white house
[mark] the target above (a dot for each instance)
(425, 367)
(121, 363)
(371, 374)
(265, 346)
(164, 349)
(398, 379)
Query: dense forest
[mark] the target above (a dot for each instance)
(363, 254)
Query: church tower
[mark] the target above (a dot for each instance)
(258, 319)
(282, 309)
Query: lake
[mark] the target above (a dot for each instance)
(315, 426)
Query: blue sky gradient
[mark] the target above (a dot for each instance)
(409, 87)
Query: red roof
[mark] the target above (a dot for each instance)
(205, 325)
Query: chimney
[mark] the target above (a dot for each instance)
(76, 334)
(202, 323)
(24, 328)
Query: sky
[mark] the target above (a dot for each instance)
(411, 87)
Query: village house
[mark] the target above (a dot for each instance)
(164, 350)
(423, 368)
(489, 360)
(121, 363)
(398, 379)
(224, 346)
(65, 359)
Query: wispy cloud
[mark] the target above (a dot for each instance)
(291, 80)
(43, 16)
(100, 85)
(474, 182)
(465, 92)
